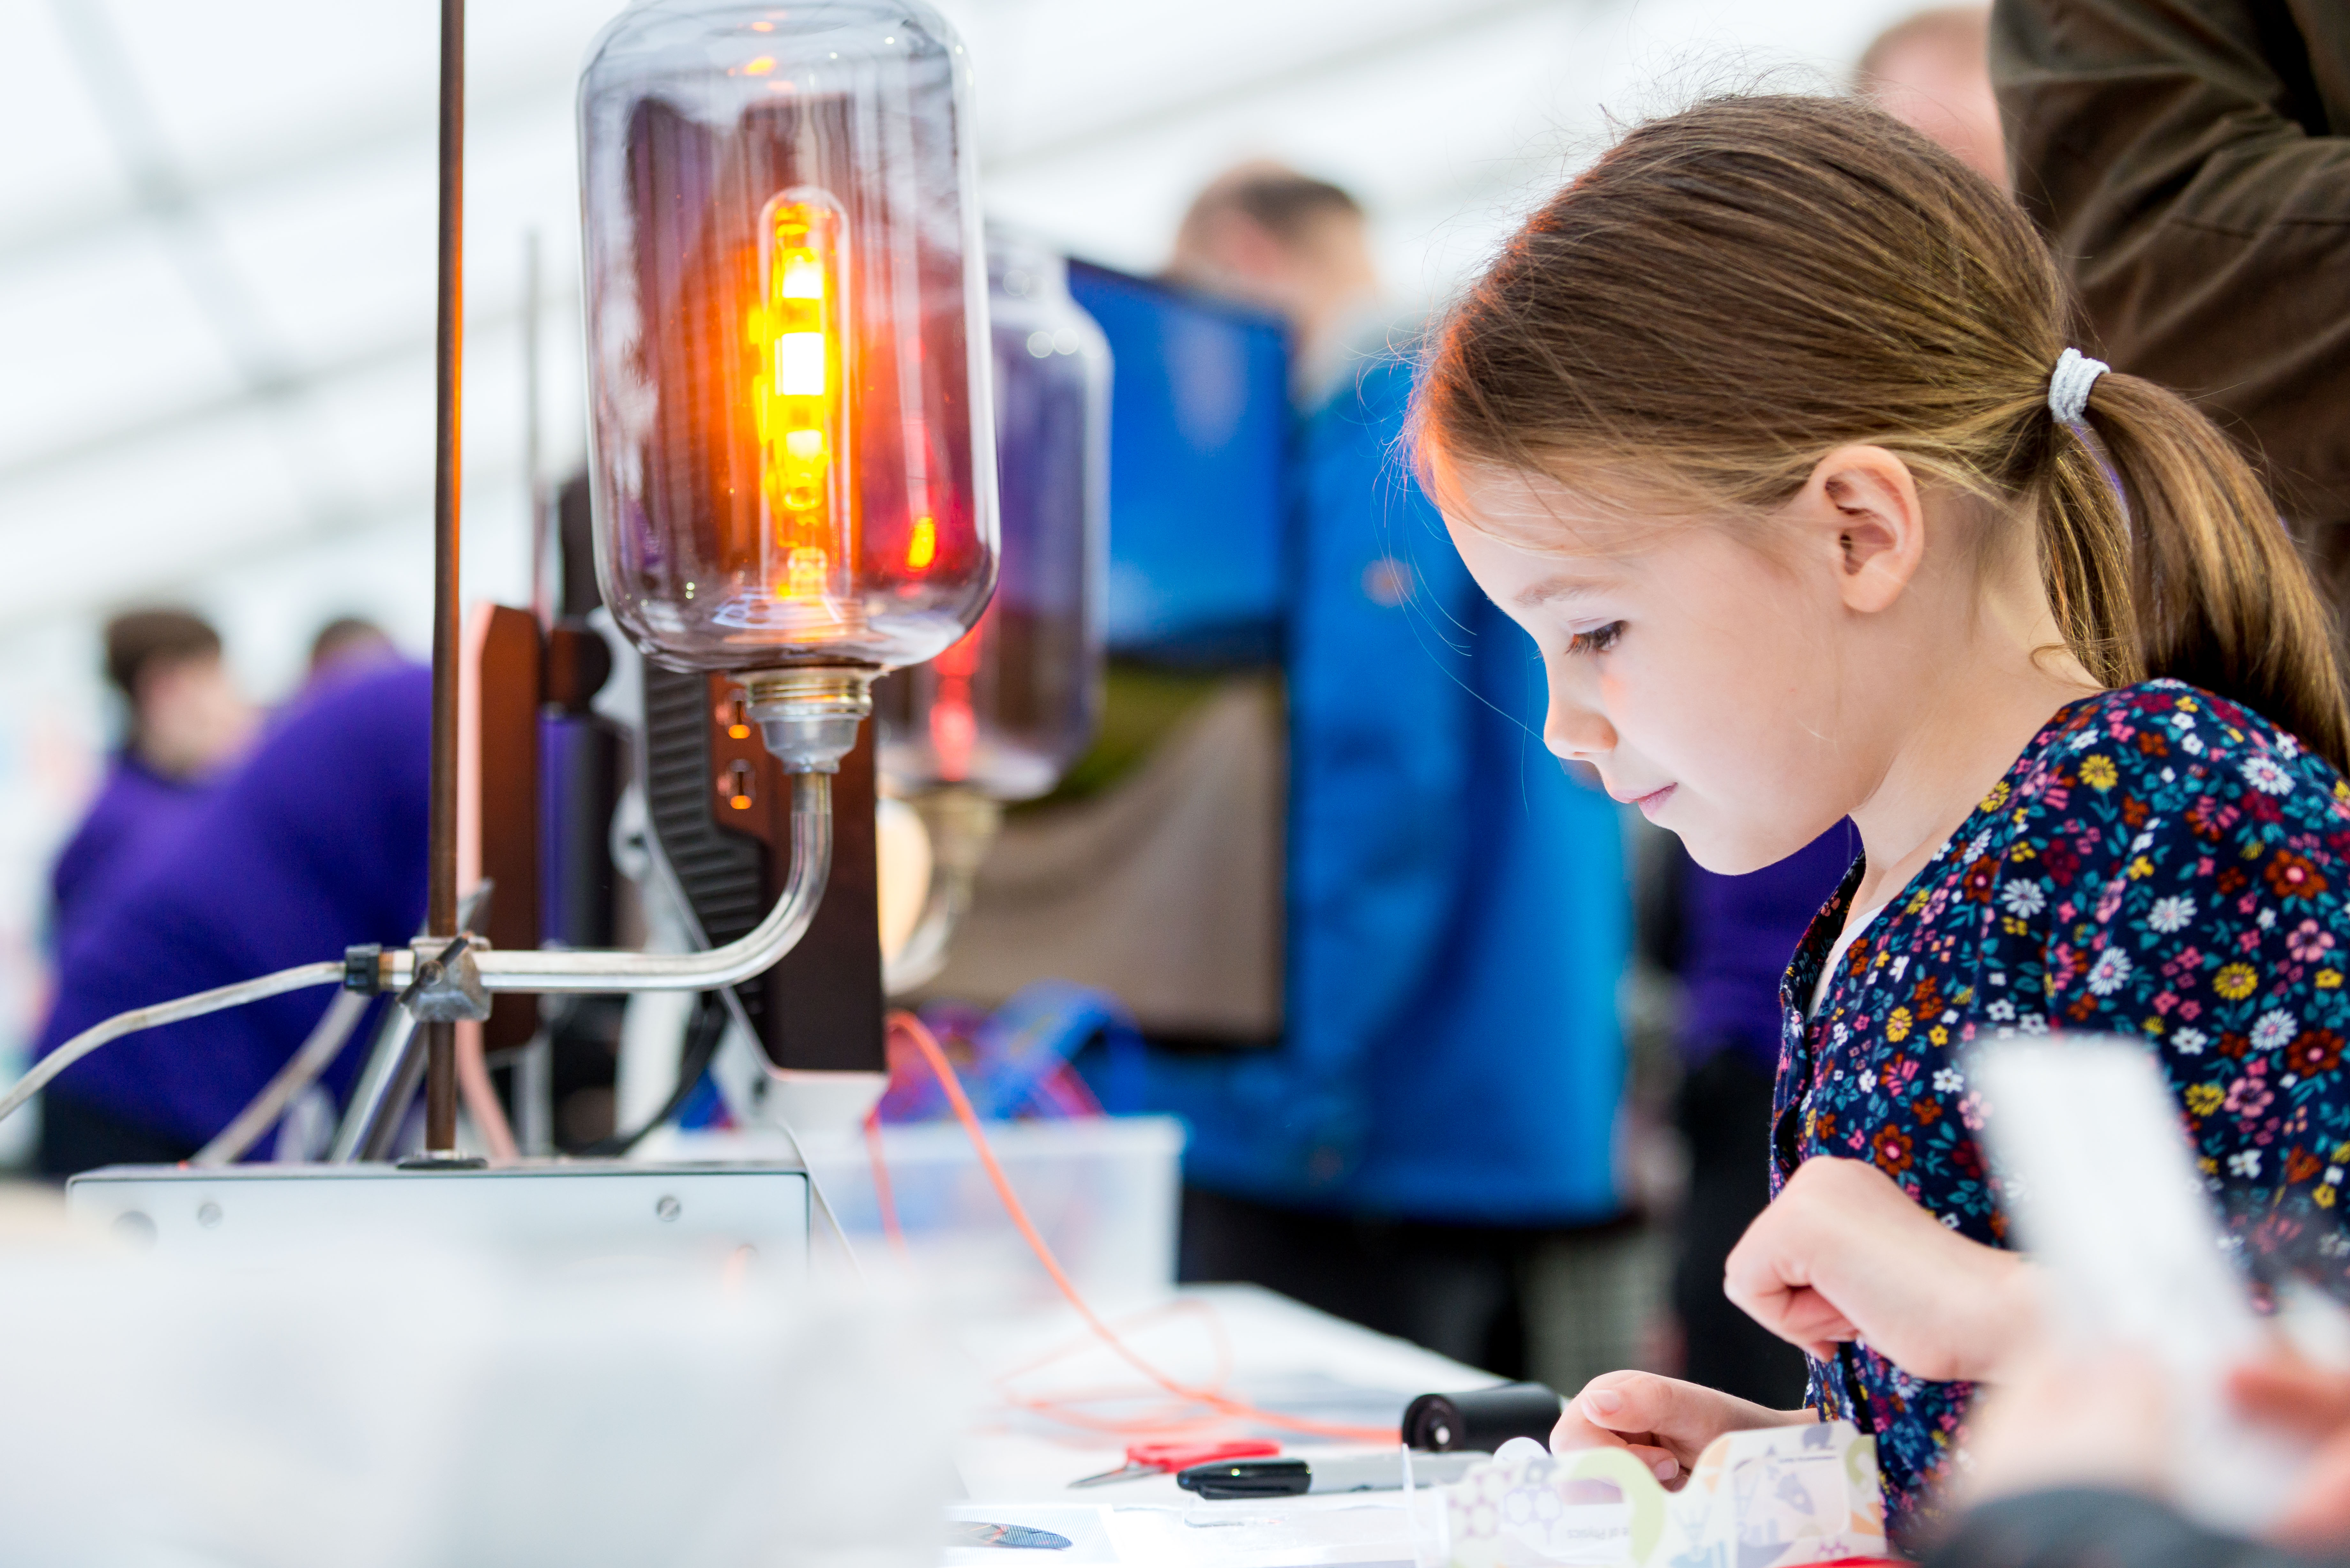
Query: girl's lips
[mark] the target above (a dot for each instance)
(1654, 801)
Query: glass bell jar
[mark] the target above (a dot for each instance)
(794, 454)
(1007, 708)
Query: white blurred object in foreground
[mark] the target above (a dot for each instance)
(389, 1408)
(2112, 1209)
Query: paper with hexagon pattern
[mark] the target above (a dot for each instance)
(1769, 1499)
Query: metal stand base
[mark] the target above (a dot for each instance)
(607, 1208)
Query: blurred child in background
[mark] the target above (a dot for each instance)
(186, 723)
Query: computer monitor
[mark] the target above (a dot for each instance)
(1200, 432)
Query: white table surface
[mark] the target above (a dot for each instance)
(1016, 1464)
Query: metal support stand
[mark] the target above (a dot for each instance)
(440, 894)
(809, 716)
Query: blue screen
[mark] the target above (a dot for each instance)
(1200, 427)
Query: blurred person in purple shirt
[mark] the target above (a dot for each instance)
(347, 645)
(1729, 939)
(315, 844)
(187, 724)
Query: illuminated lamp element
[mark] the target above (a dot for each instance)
(793, 456)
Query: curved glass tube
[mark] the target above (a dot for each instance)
(1010, 706)
(794, 454)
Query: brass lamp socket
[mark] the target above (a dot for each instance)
(809, 713)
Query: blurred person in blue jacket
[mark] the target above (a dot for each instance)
(1428, 1149)
(185, 722)
(314, 844)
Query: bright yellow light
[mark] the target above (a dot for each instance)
(799, 331)
(803, 277)
(799, 366)
(923, 547)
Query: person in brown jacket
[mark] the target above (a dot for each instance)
(2190, 160)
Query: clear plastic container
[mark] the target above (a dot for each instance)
(794, 454)
(1105, 1193)
(1008, 708)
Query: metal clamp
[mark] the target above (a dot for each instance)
(447, 985)
(363, 968)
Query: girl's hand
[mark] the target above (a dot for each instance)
(1664, 1422)
(2286, 1391)
(2100, 1420)
(1843, 1253)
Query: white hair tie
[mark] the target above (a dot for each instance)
(2069, 384)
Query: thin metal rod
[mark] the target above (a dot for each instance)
(383, 1134)
(542, 544)
(533, 1084)
(440, 895)
(377, 1095)
(439, 1086)
(754, 952)
(326, 1042)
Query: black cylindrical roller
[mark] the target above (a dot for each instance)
(1482, 1419)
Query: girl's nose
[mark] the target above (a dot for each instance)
(1574, 731)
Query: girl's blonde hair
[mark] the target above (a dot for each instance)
(1733, 290)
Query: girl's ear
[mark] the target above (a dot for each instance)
(1861, 504)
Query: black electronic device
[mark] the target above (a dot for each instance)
(1481, 1418)
(720, 806)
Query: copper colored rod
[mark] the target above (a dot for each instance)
(441, 888)
(440, 1088)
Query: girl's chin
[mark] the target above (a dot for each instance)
(1723, 854)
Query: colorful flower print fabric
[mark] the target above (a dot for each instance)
(2159, 863)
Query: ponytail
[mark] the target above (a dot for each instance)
(2187, 572)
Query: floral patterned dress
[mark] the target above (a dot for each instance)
(2158, 862)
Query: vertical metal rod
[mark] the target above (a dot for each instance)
(441, 899)
(542, 565)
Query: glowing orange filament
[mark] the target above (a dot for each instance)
(798, 391)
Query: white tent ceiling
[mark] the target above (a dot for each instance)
(216, 264)
(216, 239)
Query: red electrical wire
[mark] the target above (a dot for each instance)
(1223, 1405)
(882, 1192)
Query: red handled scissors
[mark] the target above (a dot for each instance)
(1165, 1459)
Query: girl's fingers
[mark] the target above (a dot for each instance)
(1662, 1462)
(1803, 1317)
(2317, 1520)
(1576, 1430)
(2289, 1392)
(1682, 1414)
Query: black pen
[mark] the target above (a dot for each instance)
(1343, 1472)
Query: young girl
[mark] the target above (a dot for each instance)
(1769, 431)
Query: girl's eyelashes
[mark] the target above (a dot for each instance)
(1599, 640)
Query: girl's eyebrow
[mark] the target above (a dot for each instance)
(1553, 588)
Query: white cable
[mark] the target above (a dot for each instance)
(326, 1042)
(823, 1205)
(300, 978)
